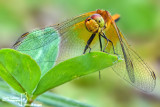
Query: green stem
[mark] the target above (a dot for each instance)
(29, 101)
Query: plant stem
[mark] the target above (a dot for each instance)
(29, 101)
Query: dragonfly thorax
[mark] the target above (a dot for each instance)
(94, 23)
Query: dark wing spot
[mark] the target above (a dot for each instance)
(25, 34)
(153, 75)
(18, 42)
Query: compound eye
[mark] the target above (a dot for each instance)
(91, 25)
(99, 19)
(101, 22)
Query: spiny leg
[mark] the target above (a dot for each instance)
(104, 36)
(89, 42)
(100, 42)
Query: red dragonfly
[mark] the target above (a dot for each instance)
(94, 30)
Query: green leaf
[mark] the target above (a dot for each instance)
(74, 68)
(20, 71)
(42, 45)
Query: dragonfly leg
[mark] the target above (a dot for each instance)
(106, 46)
(112, 46)
(89, 42)
(100, 42)
(108, 40)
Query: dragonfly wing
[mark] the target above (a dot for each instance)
(42, 45)
(39, 38)
(36, 39)
(66, 40)
(74, 39)
(133, 69)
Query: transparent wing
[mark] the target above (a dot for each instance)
(35, 39)
(65, 40)
(133, 69)
(39, 38)
(71, 40)
(42, 45)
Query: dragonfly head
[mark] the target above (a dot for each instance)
(94, 23)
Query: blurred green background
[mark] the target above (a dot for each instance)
(139, 22)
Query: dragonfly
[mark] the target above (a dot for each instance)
(92, 31)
